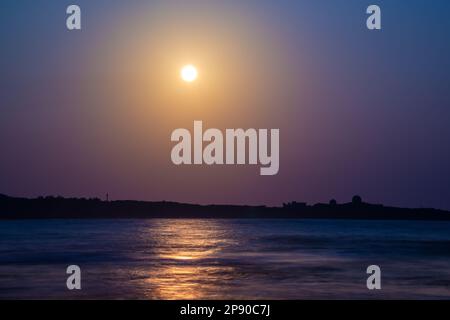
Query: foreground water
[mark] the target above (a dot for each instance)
(224, 259)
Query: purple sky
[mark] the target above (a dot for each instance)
(363, 112)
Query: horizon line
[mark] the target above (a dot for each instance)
(292, 203)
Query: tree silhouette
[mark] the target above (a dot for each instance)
(356, 200)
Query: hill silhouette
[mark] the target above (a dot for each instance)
(81, 208)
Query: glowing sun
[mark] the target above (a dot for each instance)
(189, 73)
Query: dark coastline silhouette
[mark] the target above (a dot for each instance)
(82, 208)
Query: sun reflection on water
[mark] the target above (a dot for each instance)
(188, 251)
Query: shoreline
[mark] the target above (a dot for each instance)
(75, 208)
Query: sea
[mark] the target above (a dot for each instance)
(224, 259)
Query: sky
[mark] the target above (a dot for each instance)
(90, 112)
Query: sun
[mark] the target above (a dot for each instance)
(189, 73)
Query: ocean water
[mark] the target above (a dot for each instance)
(224, 259)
